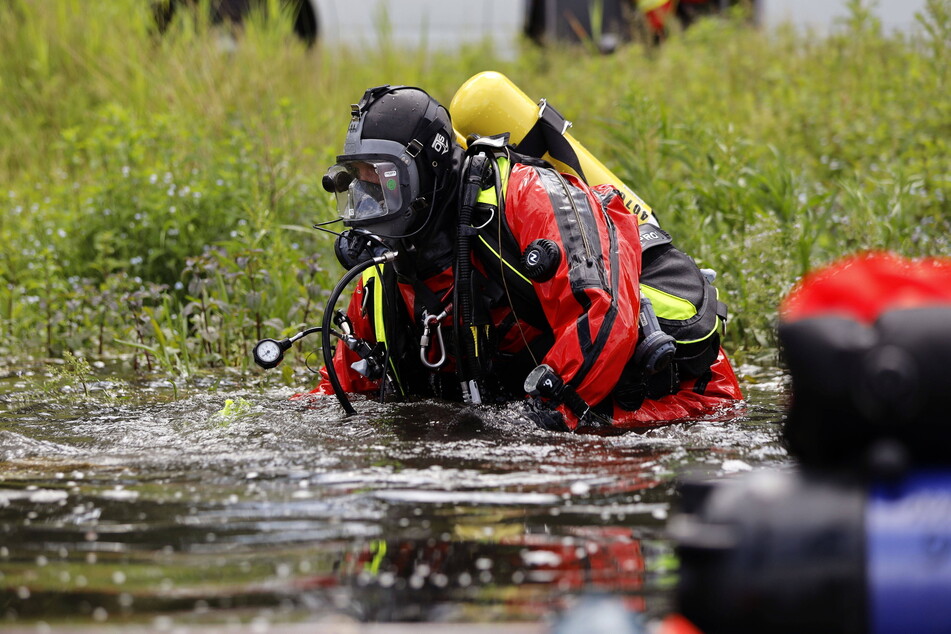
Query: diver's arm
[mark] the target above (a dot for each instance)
(591, 301)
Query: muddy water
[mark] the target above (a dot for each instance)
(147, 505)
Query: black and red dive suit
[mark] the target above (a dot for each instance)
(579, 315)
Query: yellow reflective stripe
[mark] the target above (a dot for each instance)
(488, 196)
(378, 548)
(379, 327)
(650, 5)
(716, 325)
(496, 253)
(379, 319)
(669, 306)
(503, 164)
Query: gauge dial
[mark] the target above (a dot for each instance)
(268, 353)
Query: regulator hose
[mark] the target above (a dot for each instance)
(468, 367)
(386, 256)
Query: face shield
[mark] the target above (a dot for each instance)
(367, 189)
(375, 184)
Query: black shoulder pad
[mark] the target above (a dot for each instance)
(653, 236)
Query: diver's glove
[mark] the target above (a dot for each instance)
(550, 391)
(355, 246)
(543, 415)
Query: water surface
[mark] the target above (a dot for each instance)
(147, 505)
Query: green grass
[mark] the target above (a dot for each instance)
(157, 191)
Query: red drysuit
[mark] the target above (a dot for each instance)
(580, 318)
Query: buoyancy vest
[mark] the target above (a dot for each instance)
(588, 299)
(685, 301)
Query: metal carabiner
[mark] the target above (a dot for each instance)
(428, 322)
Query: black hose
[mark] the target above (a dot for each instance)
(387, 256)
(468, 365)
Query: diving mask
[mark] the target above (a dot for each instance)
(367, 189)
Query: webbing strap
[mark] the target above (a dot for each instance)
(722, 311)
(548, 135)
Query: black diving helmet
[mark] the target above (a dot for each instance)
(397, 156)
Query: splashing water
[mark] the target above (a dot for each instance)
(197, 510)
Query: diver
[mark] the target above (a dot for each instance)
(487, 276)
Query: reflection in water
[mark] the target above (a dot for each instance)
(143, 507)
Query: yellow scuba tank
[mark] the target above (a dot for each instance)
(489, 103)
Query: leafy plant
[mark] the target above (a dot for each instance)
(158, 191)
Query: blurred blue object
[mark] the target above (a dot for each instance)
(599, 614)
(909, 554)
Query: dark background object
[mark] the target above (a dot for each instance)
(306, 22)
(856, 385)
(814, 551)
(548, 21)
(772, 552)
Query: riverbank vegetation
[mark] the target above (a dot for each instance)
(157, 192)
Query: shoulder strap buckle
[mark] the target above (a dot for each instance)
(548, 135)
(413, 148)
(552, 117)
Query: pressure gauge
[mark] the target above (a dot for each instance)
(268, 352)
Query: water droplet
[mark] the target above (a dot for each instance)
(580, 488)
